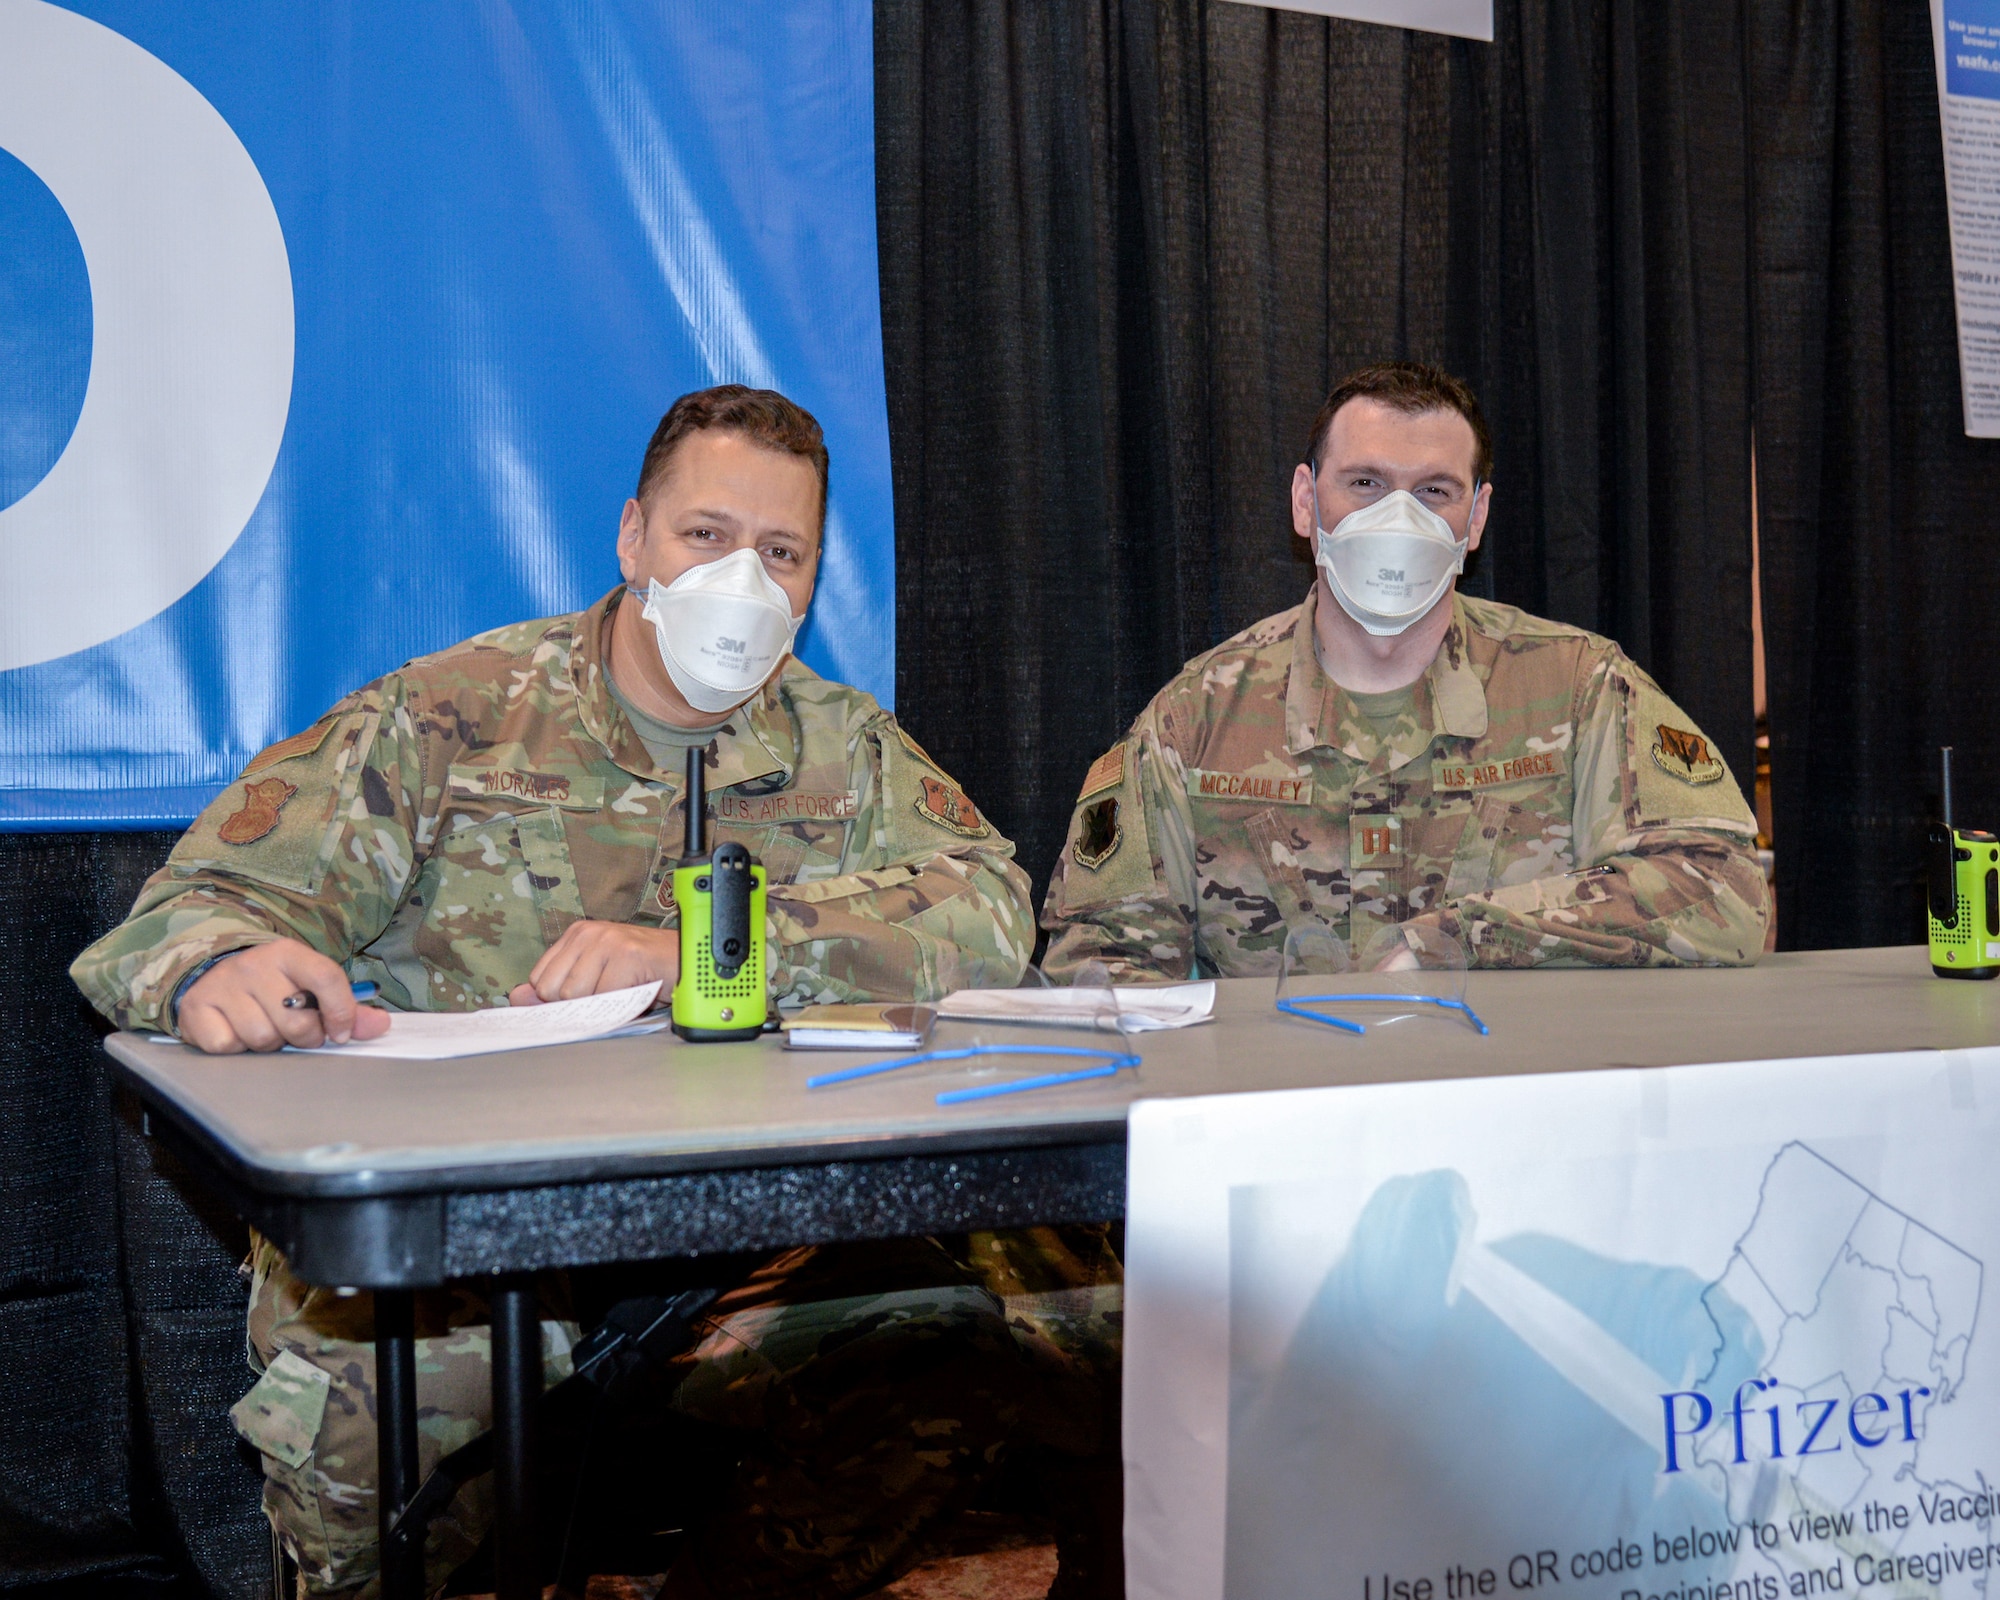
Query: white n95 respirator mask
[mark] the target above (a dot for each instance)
(1388, 563)
(723, 627)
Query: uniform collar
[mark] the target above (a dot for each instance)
(759, 740)
(1449, 700)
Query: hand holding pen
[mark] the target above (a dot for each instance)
(273, 994)
(306, 1000)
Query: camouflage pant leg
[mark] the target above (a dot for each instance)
(1064, 1285)
(1064, 1290)
(868, 1416)
(311, 1416)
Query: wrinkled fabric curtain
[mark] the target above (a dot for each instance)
(121, 1313)
(1127, 247)
(1880, 520)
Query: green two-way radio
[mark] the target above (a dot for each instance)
(1962, 875)
(722, 991)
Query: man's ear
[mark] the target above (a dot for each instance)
(1305, 514)
(1475, 529)
(631, 538)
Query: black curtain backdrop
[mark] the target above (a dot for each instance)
(1128, 246)
(1880, 520)
(121, 1313)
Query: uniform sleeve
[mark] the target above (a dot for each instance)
(1667, 873)
(929, 900)
(315, 842)
(1123, 889)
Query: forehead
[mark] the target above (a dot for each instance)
(722, 469)
(1365, 432)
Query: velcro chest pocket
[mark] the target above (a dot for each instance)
(1511, 818)
(498, 890)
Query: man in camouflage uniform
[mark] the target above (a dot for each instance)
(1512, 783)
(499, 822)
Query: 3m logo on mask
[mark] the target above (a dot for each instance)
(723, 627)
(1389, 562)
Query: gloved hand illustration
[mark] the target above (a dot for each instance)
(1445, 1402)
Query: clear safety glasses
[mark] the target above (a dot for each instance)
(1405, 972)
(1099, 1007)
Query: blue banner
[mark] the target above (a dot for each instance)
(332, 333)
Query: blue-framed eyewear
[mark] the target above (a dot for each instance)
(1110, 1062)
(1295, 1006)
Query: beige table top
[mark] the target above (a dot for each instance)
(655, 1104)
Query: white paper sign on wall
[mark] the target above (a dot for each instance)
(1700, 1333)
(1966, 37)
(1467, 19)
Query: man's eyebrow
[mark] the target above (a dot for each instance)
(697, 516)
(1375, 470)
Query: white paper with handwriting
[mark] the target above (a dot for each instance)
(443, 1035)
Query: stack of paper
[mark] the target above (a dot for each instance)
(442, 1035)
(1125, 1009)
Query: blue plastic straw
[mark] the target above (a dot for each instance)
(1296, 1006)
(1114, 1062)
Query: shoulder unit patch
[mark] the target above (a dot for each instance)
(941, 803)
(1685, 755)
(1098, 834)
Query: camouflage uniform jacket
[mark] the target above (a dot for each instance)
(438, 830)
(1543, 800)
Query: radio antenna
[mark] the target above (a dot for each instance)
(697, 801)
(1945, 752)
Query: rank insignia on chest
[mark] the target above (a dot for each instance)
(1685, 755)
(262, 801)
(1097, 833)
(1375, 841)
(944, 805)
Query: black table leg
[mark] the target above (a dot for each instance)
(396, 1436)
(517, 1389)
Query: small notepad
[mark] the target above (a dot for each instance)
(858, 1027)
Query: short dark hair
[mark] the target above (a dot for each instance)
(763, 416)
(1411, 387)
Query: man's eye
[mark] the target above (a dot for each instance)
(778, 552)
